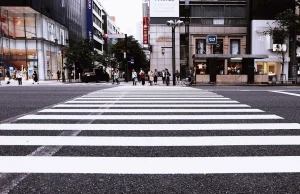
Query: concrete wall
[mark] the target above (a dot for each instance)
(158, 60)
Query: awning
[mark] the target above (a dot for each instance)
(224, 56)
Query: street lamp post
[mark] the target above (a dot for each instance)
(173, 24)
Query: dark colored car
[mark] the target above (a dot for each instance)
(94, 75)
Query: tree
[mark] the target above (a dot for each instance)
(134, 51)
(81, 54)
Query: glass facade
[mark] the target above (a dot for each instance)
(212, 12)
(66, 12)
(31, 42)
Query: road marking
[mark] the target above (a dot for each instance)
(151, 105)
(287, 93)
(147, 117)
(152, 127)
(154, 96)
(149, 165)
(151, 102)
(147, 141)
(200, 98)
(149, 110)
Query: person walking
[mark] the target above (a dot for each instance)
(7, 74)
(116, 77)
(19, 77)
(155, 76)
(134, 77)
(58, 75)
(164, 76)
(177, 77)
(63, 76)
(151, 77)
(35, 77)
(143, 77)
(113, 77)
(168, 77)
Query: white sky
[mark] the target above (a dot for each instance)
(128, 13)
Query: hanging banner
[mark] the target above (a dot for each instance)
(90, 28)
(145, 30)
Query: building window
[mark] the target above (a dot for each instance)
(218, 48)
(218, 21)
(235, 47)
(200, 46)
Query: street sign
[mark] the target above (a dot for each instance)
(211, 39)
(132, 61)
(115, 35)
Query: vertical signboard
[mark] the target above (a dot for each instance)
(145, 22)
(89, 12)
(145, 30)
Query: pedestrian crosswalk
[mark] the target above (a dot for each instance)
(166, 118)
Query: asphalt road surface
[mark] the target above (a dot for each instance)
(126, 139)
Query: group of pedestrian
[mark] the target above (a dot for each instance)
(19, 76)
(152, 76)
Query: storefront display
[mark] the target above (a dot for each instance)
(234, 68)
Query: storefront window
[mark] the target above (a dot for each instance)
(30, 26)
(201, 68)
(218, 48)
(235, 47)
(272, 69)
(234, 68)
(200, 46)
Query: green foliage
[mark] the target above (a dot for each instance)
(81, 54)
(133, 51)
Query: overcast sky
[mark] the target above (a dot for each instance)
(128, 13)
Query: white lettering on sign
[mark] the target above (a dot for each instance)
(90, 35)
(212, 39)
(89, 4)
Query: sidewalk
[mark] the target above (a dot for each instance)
(29, 83)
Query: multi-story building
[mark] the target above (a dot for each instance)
(260, 20)
(110, 27)
(95, 24)
(139, 32)
(240, 51)
(223, 61)
(99, 23)
(34, 34)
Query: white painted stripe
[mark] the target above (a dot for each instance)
(147, 117)
(147, 141)
(124, 98)
(287, 93)
(152, 127)
(155, 97)
(151, 105)
(150, 102)
(149, 165)
(148, 110)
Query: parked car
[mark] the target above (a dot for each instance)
(94, 75)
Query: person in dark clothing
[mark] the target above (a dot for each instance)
(7, 74)
(35, 77)
(63, 76)
(58, 75)
(143, 77)
(168, 77)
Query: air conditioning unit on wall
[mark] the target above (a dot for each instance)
(277, 47)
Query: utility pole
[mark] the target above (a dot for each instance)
(125, 58)
(187, 35)
(173, 55)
